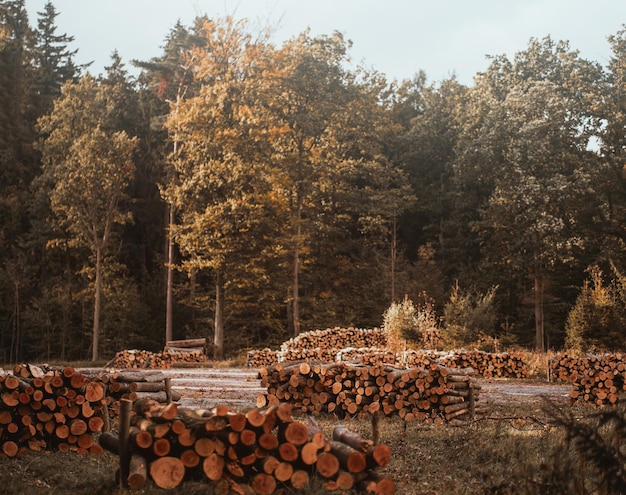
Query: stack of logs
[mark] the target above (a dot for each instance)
(258, 358)
(260, 452)
(50, 408)
(60, 408)
(488, 364)
(596, 379)
(367, 355)
(369, 347)
(333, 338)
(433, 394)
(319, 345)
(176, 352)
(136, 385)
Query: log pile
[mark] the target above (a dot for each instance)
(433, 394)
(167, 358)
(488, 364)
(136, 385)
(258, 358)
(335, 339)
(369, 347)
(599, 380)
(263, 451)
(45, 408)
(485, 364)
(60, 408)
(319, 345)
(367, 355)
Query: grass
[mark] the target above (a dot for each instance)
(519, 449)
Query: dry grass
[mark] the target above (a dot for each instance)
(517, 449)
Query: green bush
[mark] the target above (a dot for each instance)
(404, 322)
(468, 317)
(597, 321)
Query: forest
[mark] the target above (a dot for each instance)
(246, 192)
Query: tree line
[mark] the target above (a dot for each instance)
(245, 192)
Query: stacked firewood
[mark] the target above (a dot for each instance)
(332, 340)
(261, 451)
(50, 408)
(369, 347)
(486, 364)
(135, 385)
(130, 359)
(596, 379)
(434, 394)
(367, 355)
(319, 345)
(326, 354)
(167, 358)
(257, 358)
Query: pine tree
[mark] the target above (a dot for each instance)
(53, 60)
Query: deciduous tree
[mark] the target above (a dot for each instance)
(88, 164)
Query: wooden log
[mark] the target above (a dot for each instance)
(288, 451)
(137, 472)
(110, 442)
(379, 455)
(204, 446)
(283, 471)
(342, 434)
(299, 479)
(213, 466)
(327, 465)
(309, 453)
(189, 458)
(263, 484)
(186, 343)
(269, 464)
(349, 458)
(124, 448)
(167, 472)
(10, 448)
(377, 484)
(296, 433)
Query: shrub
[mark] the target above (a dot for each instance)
(404, 322)
(597, 321)
(469, 317)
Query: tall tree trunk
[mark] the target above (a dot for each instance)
(295, 294)
(169, 298)
(16, 337)
(95, 342)
(538, 299)
(394, 250)
(218, 339)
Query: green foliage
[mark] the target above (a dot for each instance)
(313, 193)
(468, 316)
(404, 322)
(597, 321)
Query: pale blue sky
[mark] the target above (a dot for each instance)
(395, 37)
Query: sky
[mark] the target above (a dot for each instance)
(398, 38)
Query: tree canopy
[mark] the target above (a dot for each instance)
(244, 191)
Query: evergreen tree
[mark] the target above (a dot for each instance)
(53, 60)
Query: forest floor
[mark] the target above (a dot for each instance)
(514, 436)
